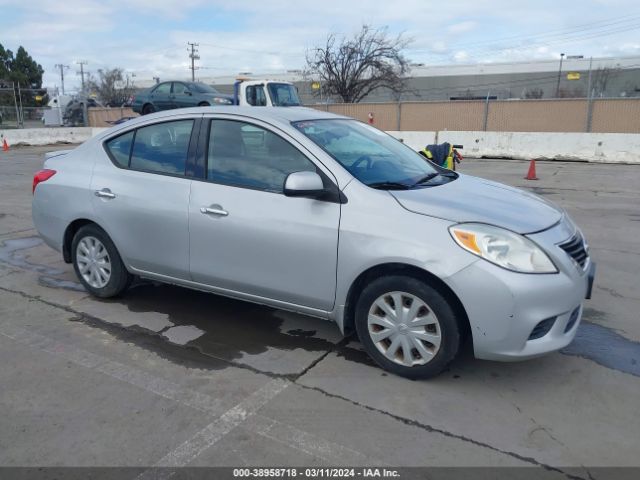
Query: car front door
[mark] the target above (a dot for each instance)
(142, 196)
(161, 97)
(246, 235)
(181, 96)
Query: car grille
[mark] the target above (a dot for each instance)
(576, 249)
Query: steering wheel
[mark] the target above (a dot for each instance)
(363, 158)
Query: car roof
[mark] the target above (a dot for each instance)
(281, 115)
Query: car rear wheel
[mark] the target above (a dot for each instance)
(97, 263)
(147, 109)
(204, 104)
(407, 327)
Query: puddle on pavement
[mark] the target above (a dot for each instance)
(605, 347)
(227, 329)
(10, 254)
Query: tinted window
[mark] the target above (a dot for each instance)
(162, 147)
(179, 88)
(163, 89)
(249, 156)
(202, 88)
(256, 96)
(120, 148)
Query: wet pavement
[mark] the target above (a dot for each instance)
(130, 381)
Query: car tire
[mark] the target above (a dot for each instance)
(147, 109)
(420, 340)
(204, 104)
(97, 263)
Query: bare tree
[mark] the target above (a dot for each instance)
(112, 86)
(601, 78)
(351, 68)
(534, 93)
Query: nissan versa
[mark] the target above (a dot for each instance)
(320, 214)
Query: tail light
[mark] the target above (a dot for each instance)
(42, 176)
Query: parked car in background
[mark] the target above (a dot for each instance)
(323, 215)
(177, 94)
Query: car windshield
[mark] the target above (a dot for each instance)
(370, 155)
(202, 88)
(284, 95)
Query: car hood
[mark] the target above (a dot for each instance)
(472, 199)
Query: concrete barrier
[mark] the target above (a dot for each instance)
(416, 140)
(48, 136)
(589, 147)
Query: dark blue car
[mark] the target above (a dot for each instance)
(177, 94)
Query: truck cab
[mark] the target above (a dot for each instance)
(265, 93)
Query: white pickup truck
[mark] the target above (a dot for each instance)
(265, 93)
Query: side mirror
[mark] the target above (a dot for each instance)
(304, 184)
(187, 92)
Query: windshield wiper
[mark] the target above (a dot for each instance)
(388, 186)
(426, 178)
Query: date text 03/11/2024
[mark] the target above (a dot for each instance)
(315, 472)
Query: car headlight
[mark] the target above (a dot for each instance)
(504, 248)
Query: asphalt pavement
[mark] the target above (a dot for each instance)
(166, 376)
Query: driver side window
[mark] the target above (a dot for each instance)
(245, 155)
(255, 96)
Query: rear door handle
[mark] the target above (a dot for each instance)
(104, 193)
(214, 210)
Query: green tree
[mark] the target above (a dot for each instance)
(22, 69)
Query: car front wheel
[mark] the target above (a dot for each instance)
(407, 327)
(97, 263)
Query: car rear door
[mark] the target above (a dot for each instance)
(245, 234)
(141, 195)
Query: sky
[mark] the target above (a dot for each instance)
(148, 38)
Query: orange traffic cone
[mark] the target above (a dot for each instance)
(5, 145)
(531, 174)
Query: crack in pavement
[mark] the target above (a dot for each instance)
(446, 433)
(294, 378)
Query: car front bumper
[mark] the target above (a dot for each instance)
(505, 307)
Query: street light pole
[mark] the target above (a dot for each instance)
(559, 75)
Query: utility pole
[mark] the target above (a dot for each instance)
(82, 63)
(61, 67)
(559, 75)
(193, 56)
(589, 98)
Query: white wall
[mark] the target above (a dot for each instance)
(591, 147)
(416, 140)
(47, 136)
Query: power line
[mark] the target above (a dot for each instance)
(193, 56)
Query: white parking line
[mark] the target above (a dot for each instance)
(217, 429)
(131, 375)
(333, 453)
(226, 421)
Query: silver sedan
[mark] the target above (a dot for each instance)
(319, 214)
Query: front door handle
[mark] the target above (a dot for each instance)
(214, 210)
(104, 193)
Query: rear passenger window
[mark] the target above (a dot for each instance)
(162, 148)
(120, 149)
